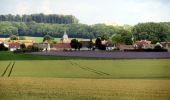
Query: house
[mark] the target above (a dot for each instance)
(165, 44)
(13, 46)
(143, 44)
(42, 46)
(123, 47)
(61, 46)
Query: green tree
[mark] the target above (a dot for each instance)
(155, 32)
(74, 44)
(13, 37)
(116, 38)
(48, 38)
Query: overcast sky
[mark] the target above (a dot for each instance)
(94, 11)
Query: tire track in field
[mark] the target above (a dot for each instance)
(89, 69)
(6, 69)
(11, 69)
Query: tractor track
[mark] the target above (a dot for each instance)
(88, 69)
(10, 68)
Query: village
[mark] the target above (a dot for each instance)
(65, 45)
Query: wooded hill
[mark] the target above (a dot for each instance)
(55, 25)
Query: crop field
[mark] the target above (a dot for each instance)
(35, 77)
(153, 68)
(25, 88)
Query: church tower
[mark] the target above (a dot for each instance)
(65, 38)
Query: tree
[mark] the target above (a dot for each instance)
(155, 32)
(74, 44)
(99, 45)
(104, 37)
(79, 45)
(13, 37)
(2, 47)
(90, 45)
(48, 38)
(98, 42)
(116, 38)
(23, 46)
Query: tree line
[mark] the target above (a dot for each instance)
(155, 32)
(40, 18)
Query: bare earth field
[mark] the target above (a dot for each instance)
(83, 89)
(104, 54)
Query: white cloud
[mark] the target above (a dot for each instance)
(22, 8)
(46, 7)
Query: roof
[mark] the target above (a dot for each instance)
(61, 45)
(165, 42)
(125, 47)
(142, 42)
(40, 45)
(14, 45)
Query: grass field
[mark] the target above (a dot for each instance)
(119, 69)
(40, 39)
(33, 77)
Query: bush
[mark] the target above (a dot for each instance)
(3, 48)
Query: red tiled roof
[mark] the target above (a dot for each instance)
(14, 45)
(143, 42)
(61, 45)
(165, 42)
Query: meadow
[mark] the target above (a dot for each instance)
(35, 77)
(40, 39)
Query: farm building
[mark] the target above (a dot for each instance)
(143, 44)
(14, 46)
(42, 46)
(165, 44)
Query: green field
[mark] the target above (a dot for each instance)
(154, 68)
(25, 76)
(40, 39)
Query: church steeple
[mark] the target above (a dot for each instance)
(65, 36)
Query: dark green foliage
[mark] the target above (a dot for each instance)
(40, 18)
(2, 47)
(99, 45)
(13, 37)
(48, 38)
(98, 42)
(90, 45)
(23, 46)
(155, 32)
(76, 44)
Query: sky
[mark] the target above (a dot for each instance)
(94, 11)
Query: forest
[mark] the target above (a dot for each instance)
(55, 25)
